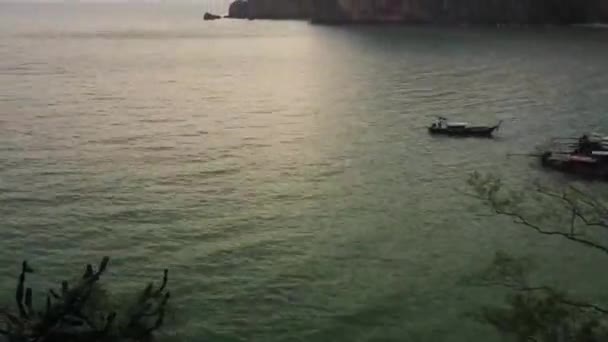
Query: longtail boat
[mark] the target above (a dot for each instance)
(582, 165)
(463, 129)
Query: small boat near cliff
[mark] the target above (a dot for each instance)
(462, 129)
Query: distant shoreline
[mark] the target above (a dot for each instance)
(594, 26)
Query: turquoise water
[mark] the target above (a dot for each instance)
(282, 171)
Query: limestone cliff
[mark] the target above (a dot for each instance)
(603, 11)
(486, 12)
(239, 9)
(329, 12)
(476, 12)
(271, 9)
(280, 9)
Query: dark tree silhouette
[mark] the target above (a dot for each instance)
(74, 314)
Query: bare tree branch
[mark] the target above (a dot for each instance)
(487, 190)
(548, 290)
(519, 219)
(542, 313)
(585, 198)
(585, 306)
(590, 200)
(563, 299)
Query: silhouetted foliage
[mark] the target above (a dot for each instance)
(73, 313)
(543, 313)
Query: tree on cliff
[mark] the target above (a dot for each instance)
(536, 312)
(82, 313)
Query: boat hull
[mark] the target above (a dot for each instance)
(483, 132)
(597, 170)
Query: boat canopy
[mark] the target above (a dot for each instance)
(457, 124)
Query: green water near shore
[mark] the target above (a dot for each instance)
(282, 171)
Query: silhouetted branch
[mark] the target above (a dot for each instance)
(575, 208)
(65, 317)
(21, 288)
(488, 190)
(559, 297)
(165, 279)
(585, 306)
(148, 312)
(519, 219)
(541, 313)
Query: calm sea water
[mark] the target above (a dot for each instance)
(282, 171)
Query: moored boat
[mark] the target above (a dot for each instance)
(586, 156)
(463, 129)
(594, 165)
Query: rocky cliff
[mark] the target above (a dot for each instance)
(280, 9)
(480, 12)
(329, 12)
(603, 10)
(558, 12)
(239, 9)
(485, 12)
(271, 9)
